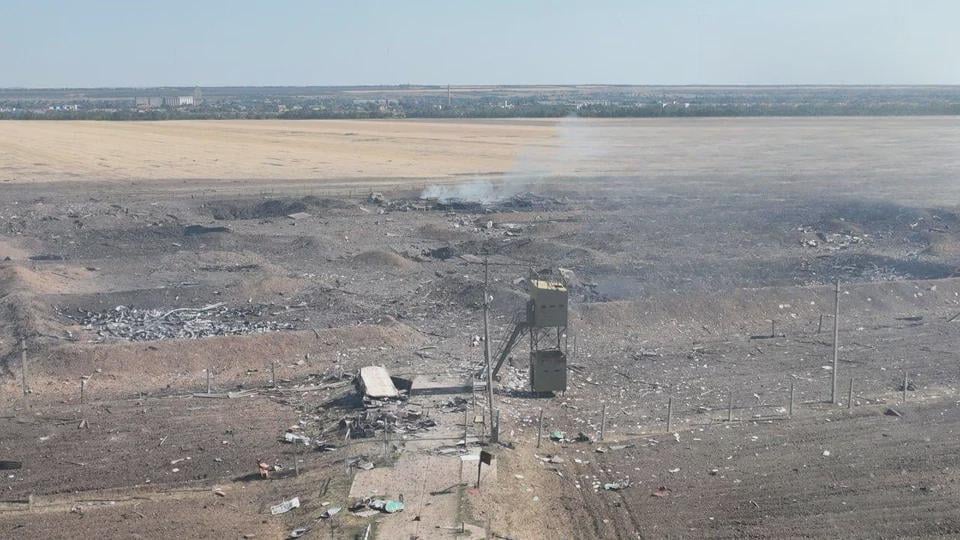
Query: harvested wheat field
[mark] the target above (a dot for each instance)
(213, 289)
(331, 151)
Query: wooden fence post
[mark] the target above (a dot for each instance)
(603, 420)
(790, 410)
(850, 395)
(730, 407)
(836, 343)
(23, 365)
(670, 414)
(539, 428)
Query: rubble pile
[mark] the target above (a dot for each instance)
(812, 238)
(133, 324)
(367, 423)
(376, 506)
(518, 202)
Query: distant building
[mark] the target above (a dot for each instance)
(177, 101)
(149, 102)
(152, 102)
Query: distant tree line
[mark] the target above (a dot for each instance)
(497, 107)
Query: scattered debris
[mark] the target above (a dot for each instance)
(226, 395)
(366, 513)
(134, 324)
(294, 438)
(285, 506)
(365, 424)
(910, 387)
(616, 486)
(386, 505)
(812, 238)
(265, 468)
(661, 491)
(194, 230)
(46, 257)
(442, 253)
(330, 512)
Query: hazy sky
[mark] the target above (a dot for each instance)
(84, 43)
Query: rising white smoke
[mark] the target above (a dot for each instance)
(575, 148)
(481, 191)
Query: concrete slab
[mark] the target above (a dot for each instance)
(433, 385)
(430, 487)
(376, 382)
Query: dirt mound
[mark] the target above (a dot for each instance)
(266, 288)
(382, 258)
(941, 245)
(269, 208)
(218, 261)
(11, 250)
(59, 279)
(23, 314)
(442, 233)
(469, 293)
(179, 364)
(546, 252)
(746, 312)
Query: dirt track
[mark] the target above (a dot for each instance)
(676, 284)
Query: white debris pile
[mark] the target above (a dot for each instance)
(133, 324)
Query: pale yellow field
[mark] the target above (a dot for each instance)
(31, 151)
(326, 151)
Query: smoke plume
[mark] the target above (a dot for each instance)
(573, 149)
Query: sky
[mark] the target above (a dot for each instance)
(109, 43)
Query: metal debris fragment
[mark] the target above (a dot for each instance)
(285, 506)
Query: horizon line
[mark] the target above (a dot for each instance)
(508, 85)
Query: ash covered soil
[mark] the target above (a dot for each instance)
(140, 291)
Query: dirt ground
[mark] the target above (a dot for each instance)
(703, 255)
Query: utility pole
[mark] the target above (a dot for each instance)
(836, 341)
(486, 350)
